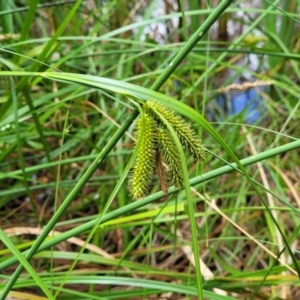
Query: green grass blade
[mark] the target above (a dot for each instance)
(151, 198)
(190, 206)
(17, 254)
(181, 108)
(19, 143)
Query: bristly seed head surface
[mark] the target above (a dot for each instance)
(145, 161)
(157, 146)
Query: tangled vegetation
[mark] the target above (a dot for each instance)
(149, 149)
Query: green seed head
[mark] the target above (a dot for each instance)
(143, 167)
(188, 138)
(168, 149)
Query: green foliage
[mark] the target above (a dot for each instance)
(69, 73)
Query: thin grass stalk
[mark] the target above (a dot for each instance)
(4, 153)
(236, 42)
(101, 215)
(37, 123)
(187, 48)
(159, 82)
(42, 5)
(15, 251)
(190, 204)
(195, 19)
(195, 116)
(288, 28)
(270, 26)
(261, 283)
(33, 4)
(183, 20)
(6, 20)
(143, 202)
(138, 35)
(130, 247)
(106, 207)
(19, 143)
(77, 188)
(45, 53)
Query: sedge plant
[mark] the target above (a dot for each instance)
(36, 104)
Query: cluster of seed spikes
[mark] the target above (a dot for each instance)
(145, 161)
(157, 147)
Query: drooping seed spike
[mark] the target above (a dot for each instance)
(169, 151)
(142, 170)
(188, 138)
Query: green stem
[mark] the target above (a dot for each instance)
(143, 202)
(190, 205)
(175, 62)
(19, 143)
(196, 37)
(86, 176)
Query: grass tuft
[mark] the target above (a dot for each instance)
(70, 72)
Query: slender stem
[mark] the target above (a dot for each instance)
(196, 37)
(142, 202)
(86, 176)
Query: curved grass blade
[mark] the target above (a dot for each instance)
(138, 92)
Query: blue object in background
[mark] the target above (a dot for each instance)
(251, 101)
(248, 102)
